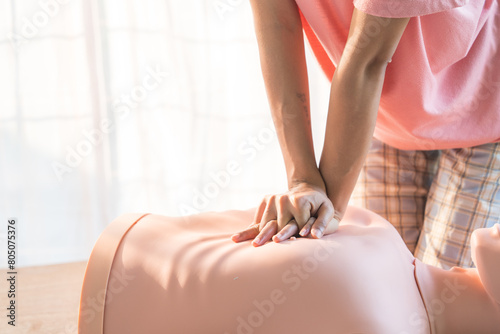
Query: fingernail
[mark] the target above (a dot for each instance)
(303, 233)
(256, 240)
(317, 233)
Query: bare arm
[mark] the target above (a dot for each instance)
(354, 101)
(281, 47)
(355, 95)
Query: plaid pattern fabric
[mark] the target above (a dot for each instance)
(435, 199)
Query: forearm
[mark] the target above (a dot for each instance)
(354, 101)
(352, 113)
(281, 48)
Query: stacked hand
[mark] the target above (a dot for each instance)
(305, 207)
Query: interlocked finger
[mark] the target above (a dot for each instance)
(269, 212)
(301, 208)
(260, 211)
(266, 233)
(283, 208)
(328, 217)
(288, 231)
(290, 207)
(307, 227)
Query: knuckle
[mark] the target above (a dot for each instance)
(253, 227)
(294, 199)
(300, 201)
(282, 199)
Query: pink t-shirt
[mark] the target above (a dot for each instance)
(442, 88)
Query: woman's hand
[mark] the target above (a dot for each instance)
(304, 207)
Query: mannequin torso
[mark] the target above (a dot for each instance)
(185, 275)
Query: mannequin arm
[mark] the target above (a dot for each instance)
(485, 244)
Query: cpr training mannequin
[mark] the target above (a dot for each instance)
(185, 275)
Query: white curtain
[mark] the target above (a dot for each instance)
(115, 106)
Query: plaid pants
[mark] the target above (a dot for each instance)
(435, 199)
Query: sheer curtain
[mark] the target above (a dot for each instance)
(111, 106)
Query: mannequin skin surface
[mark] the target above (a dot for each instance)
(185, 275)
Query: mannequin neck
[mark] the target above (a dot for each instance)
(456, 301)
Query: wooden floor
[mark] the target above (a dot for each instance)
(47, 299)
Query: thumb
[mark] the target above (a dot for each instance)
(325, 215)
(333, 225)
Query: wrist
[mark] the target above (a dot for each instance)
(312, 178)
(339, 200)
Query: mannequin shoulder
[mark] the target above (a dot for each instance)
(361, 217)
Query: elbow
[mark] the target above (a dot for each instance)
(364, 56)
(370, 65)
(364, 69)
(376, 66)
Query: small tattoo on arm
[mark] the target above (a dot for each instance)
(303, 99)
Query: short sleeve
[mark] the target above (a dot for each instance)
(406, 8)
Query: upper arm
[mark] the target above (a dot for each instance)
(372, 39)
